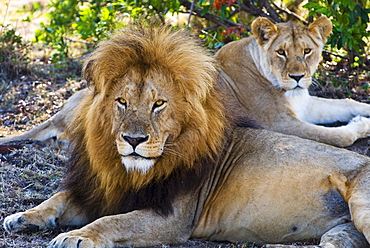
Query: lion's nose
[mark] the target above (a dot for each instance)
(296, 77)
(135, 141)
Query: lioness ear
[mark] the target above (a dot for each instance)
(321, 28)
(87, 71)
(89, 74)
(263, 29)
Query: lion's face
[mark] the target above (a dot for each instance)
(153, 109)
(291, 51)
(145, 120)
(153, 115)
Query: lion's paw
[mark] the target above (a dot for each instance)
(76, 239)
(26, 221)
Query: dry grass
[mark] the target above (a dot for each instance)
(31, 174)
(28, 176)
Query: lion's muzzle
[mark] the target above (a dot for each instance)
(135, 141)
(139, 152)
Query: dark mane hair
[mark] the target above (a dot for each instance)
(157, 194)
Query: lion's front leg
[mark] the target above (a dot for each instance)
(103, 232)
(140, 228)
(56, 210)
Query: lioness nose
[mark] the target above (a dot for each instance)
(135, 141)
(296, 77)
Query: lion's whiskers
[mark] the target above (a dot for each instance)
(172, 151)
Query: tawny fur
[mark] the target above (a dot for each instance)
(268, 75)
(258, 80)
(190, 74)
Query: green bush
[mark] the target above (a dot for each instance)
(14, 51)
(91, 21)
(350, 19)
(221, 20)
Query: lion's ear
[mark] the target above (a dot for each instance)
(263, 29)
(321, 28)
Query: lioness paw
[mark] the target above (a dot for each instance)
(23, 221)
(362, 124)
(359, 119)
(78, 239)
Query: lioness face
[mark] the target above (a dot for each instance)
(294, 58)
(290, 51)
(143, 120)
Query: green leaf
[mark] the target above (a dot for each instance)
(312, 5)
(223, 11)
(37, 6)
(205, 10)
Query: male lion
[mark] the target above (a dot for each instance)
(155, 161)
(268, 75)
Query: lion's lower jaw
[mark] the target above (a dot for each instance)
(137, 163)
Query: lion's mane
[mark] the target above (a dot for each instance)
(96, 177)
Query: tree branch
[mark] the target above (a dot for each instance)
(208, 16)
(191, 12)
(273, 14)
(290, 13)
(334, 54)
(250, 8)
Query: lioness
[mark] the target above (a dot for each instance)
(155, 161)
(268, 75)
(53, 130)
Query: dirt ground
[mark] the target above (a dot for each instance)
(30, 173)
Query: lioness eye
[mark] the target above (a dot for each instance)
(307, 50)
(281, 52)
(121, 101)
(158, 104)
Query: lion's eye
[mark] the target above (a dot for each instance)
(281, 52)
(122, 101)
(158, 104)
(307, 51)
